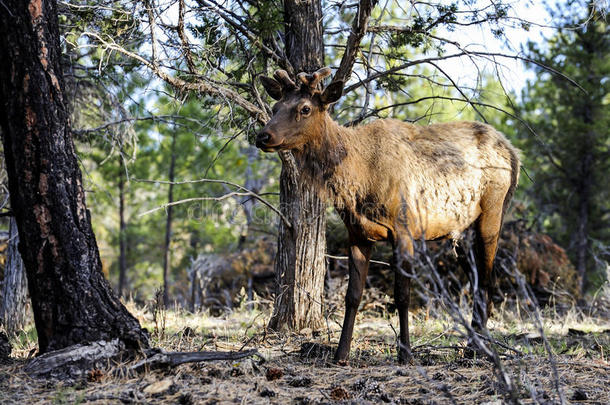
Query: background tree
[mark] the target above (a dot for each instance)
(15, 300)
(71, 300)
(571, 157)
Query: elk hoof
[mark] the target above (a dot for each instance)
(473, 351)
(341, 357)
(405, 356)
(342, 362)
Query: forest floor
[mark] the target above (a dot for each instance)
(297, 368)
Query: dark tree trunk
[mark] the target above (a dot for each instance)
(300, 264)
(168, 224)
(582, 241)
(122, 233)
(303, 34)
(71, 299)
(584, 189)
(14, 307)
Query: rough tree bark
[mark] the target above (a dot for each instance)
(300, 264)
(14, 307)
(71, 300)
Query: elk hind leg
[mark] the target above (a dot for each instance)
(402, 295)
(487, 233)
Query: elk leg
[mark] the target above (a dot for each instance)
(402, 295)
(487, 233)
(359, 256)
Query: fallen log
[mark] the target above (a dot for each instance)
(74, 361)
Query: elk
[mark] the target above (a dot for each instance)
(397, 182)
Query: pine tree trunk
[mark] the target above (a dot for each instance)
(15, 301)
(168, 225)
(300, 263)
(584, 192)
(582, 242)
(71, 299)
(122, 233)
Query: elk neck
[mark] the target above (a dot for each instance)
(332, 161)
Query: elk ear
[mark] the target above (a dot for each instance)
(332, 92)
(273, 88)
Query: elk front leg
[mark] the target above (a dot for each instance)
(359, 255)
(403, 252)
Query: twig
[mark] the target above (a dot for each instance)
(459, 89)
(497, 342)
(241, 27)
(346, 258)
(457, 55)
(245, 192)
(183, 39)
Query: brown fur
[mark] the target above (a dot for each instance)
(397, 182)
(441, 172)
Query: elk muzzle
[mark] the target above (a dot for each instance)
(267, 142)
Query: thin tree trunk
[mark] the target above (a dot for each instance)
(300, 264)
(584, 208)
(122, 233)
(168, 224)
(584, 192)
(582, 243)
(251, 183)
(14, 308)
(71, 299)
(194, 281)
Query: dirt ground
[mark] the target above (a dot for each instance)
(297, 368)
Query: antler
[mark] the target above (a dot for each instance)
(282, 77)
(312, 80)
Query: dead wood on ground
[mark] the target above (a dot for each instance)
(75, 361)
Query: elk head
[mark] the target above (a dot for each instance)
(299, 113)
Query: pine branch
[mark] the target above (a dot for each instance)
(359, 29)
(202, 86)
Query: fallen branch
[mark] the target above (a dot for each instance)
(74, 361)
(163, 359)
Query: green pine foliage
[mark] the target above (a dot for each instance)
(568, 158)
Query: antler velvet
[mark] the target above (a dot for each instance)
(284, 79)
(312, 80)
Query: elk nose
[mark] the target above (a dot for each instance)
(262, 138)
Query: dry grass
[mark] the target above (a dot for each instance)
(441, 373)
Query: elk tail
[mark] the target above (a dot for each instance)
(515, 167)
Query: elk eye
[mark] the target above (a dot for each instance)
(305, 110)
